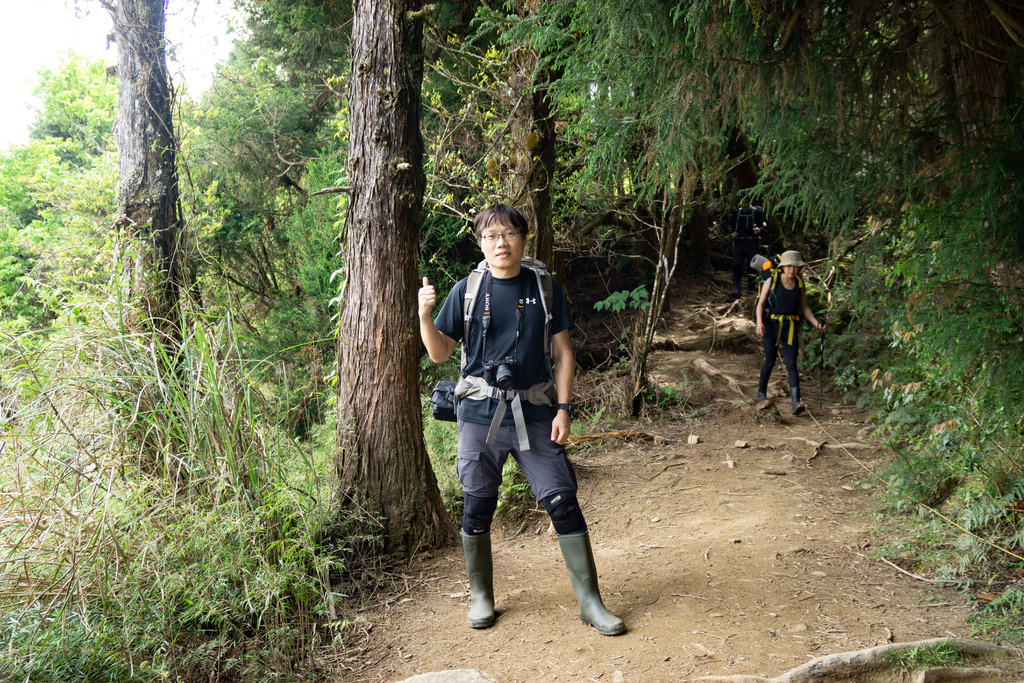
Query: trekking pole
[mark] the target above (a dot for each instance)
(821, 366)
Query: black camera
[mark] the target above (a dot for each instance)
(500, 373)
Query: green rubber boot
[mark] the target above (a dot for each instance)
(481, 580)
(579, 560)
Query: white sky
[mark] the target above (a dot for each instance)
(35, 33)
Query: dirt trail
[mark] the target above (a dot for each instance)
(720, 559)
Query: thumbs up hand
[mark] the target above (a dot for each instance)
(427, 298)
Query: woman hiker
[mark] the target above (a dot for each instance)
(784, 301)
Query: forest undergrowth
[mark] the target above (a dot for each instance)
(159, 520)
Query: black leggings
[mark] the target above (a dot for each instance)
(771, 353)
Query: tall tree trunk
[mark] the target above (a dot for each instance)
(382, 460)
(533, 134)
(149, 235)
(541, 179)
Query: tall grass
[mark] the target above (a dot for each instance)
(152, 517)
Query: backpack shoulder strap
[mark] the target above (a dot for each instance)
(544, 282)
(469, 302)
(769, 304)
(547, 295)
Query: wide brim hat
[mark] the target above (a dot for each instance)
(791, 258)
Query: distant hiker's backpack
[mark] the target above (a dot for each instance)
(544, 284)
(765, 265)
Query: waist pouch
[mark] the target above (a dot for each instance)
(477, 389)
(442, 401)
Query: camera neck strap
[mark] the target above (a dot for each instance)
(489, 280)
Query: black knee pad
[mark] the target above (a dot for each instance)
(477, 514)
(565, 513)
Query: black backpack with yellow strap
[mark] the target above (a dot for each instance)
(768, 268)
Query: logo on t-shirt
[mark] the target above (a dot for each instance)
(530, 301)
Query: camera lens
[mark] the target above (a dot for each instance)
(504, 377)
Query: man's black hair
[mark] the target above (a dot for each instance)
(501, 214)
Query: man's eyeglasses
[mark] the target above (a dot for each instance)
(494, 237)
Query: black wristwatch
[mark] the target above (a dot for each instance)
(567, 407)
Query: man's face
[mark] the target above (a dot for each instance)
(507, 250)
(745, 204)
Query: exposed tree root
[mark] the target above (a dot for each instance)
(722, 329)
(848, 664)
(950, 675)
(710, 371)
(818, 445)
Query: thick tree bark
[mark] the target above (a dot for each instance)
(541, 179)
(534, 136)
(149, 236)
(382, 460)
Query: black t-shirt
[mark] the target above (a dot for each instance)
(530, 369)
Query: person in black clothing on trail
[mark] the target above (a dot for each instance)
(536, 428)
(782, 303)
(747, 225)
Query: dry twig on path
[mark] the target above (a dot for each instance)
(675, 464)
(624, 434)
(915, 576)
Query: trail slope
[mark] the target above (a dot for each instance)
(747, 552)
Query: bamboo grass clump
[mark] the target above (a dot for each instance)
(139, 483)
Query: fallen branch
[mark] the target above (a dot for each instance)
(845, 664)
(853, 445)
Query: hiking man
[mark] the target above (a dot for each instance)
(785, 298)
(747, 224)
(516, 352)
